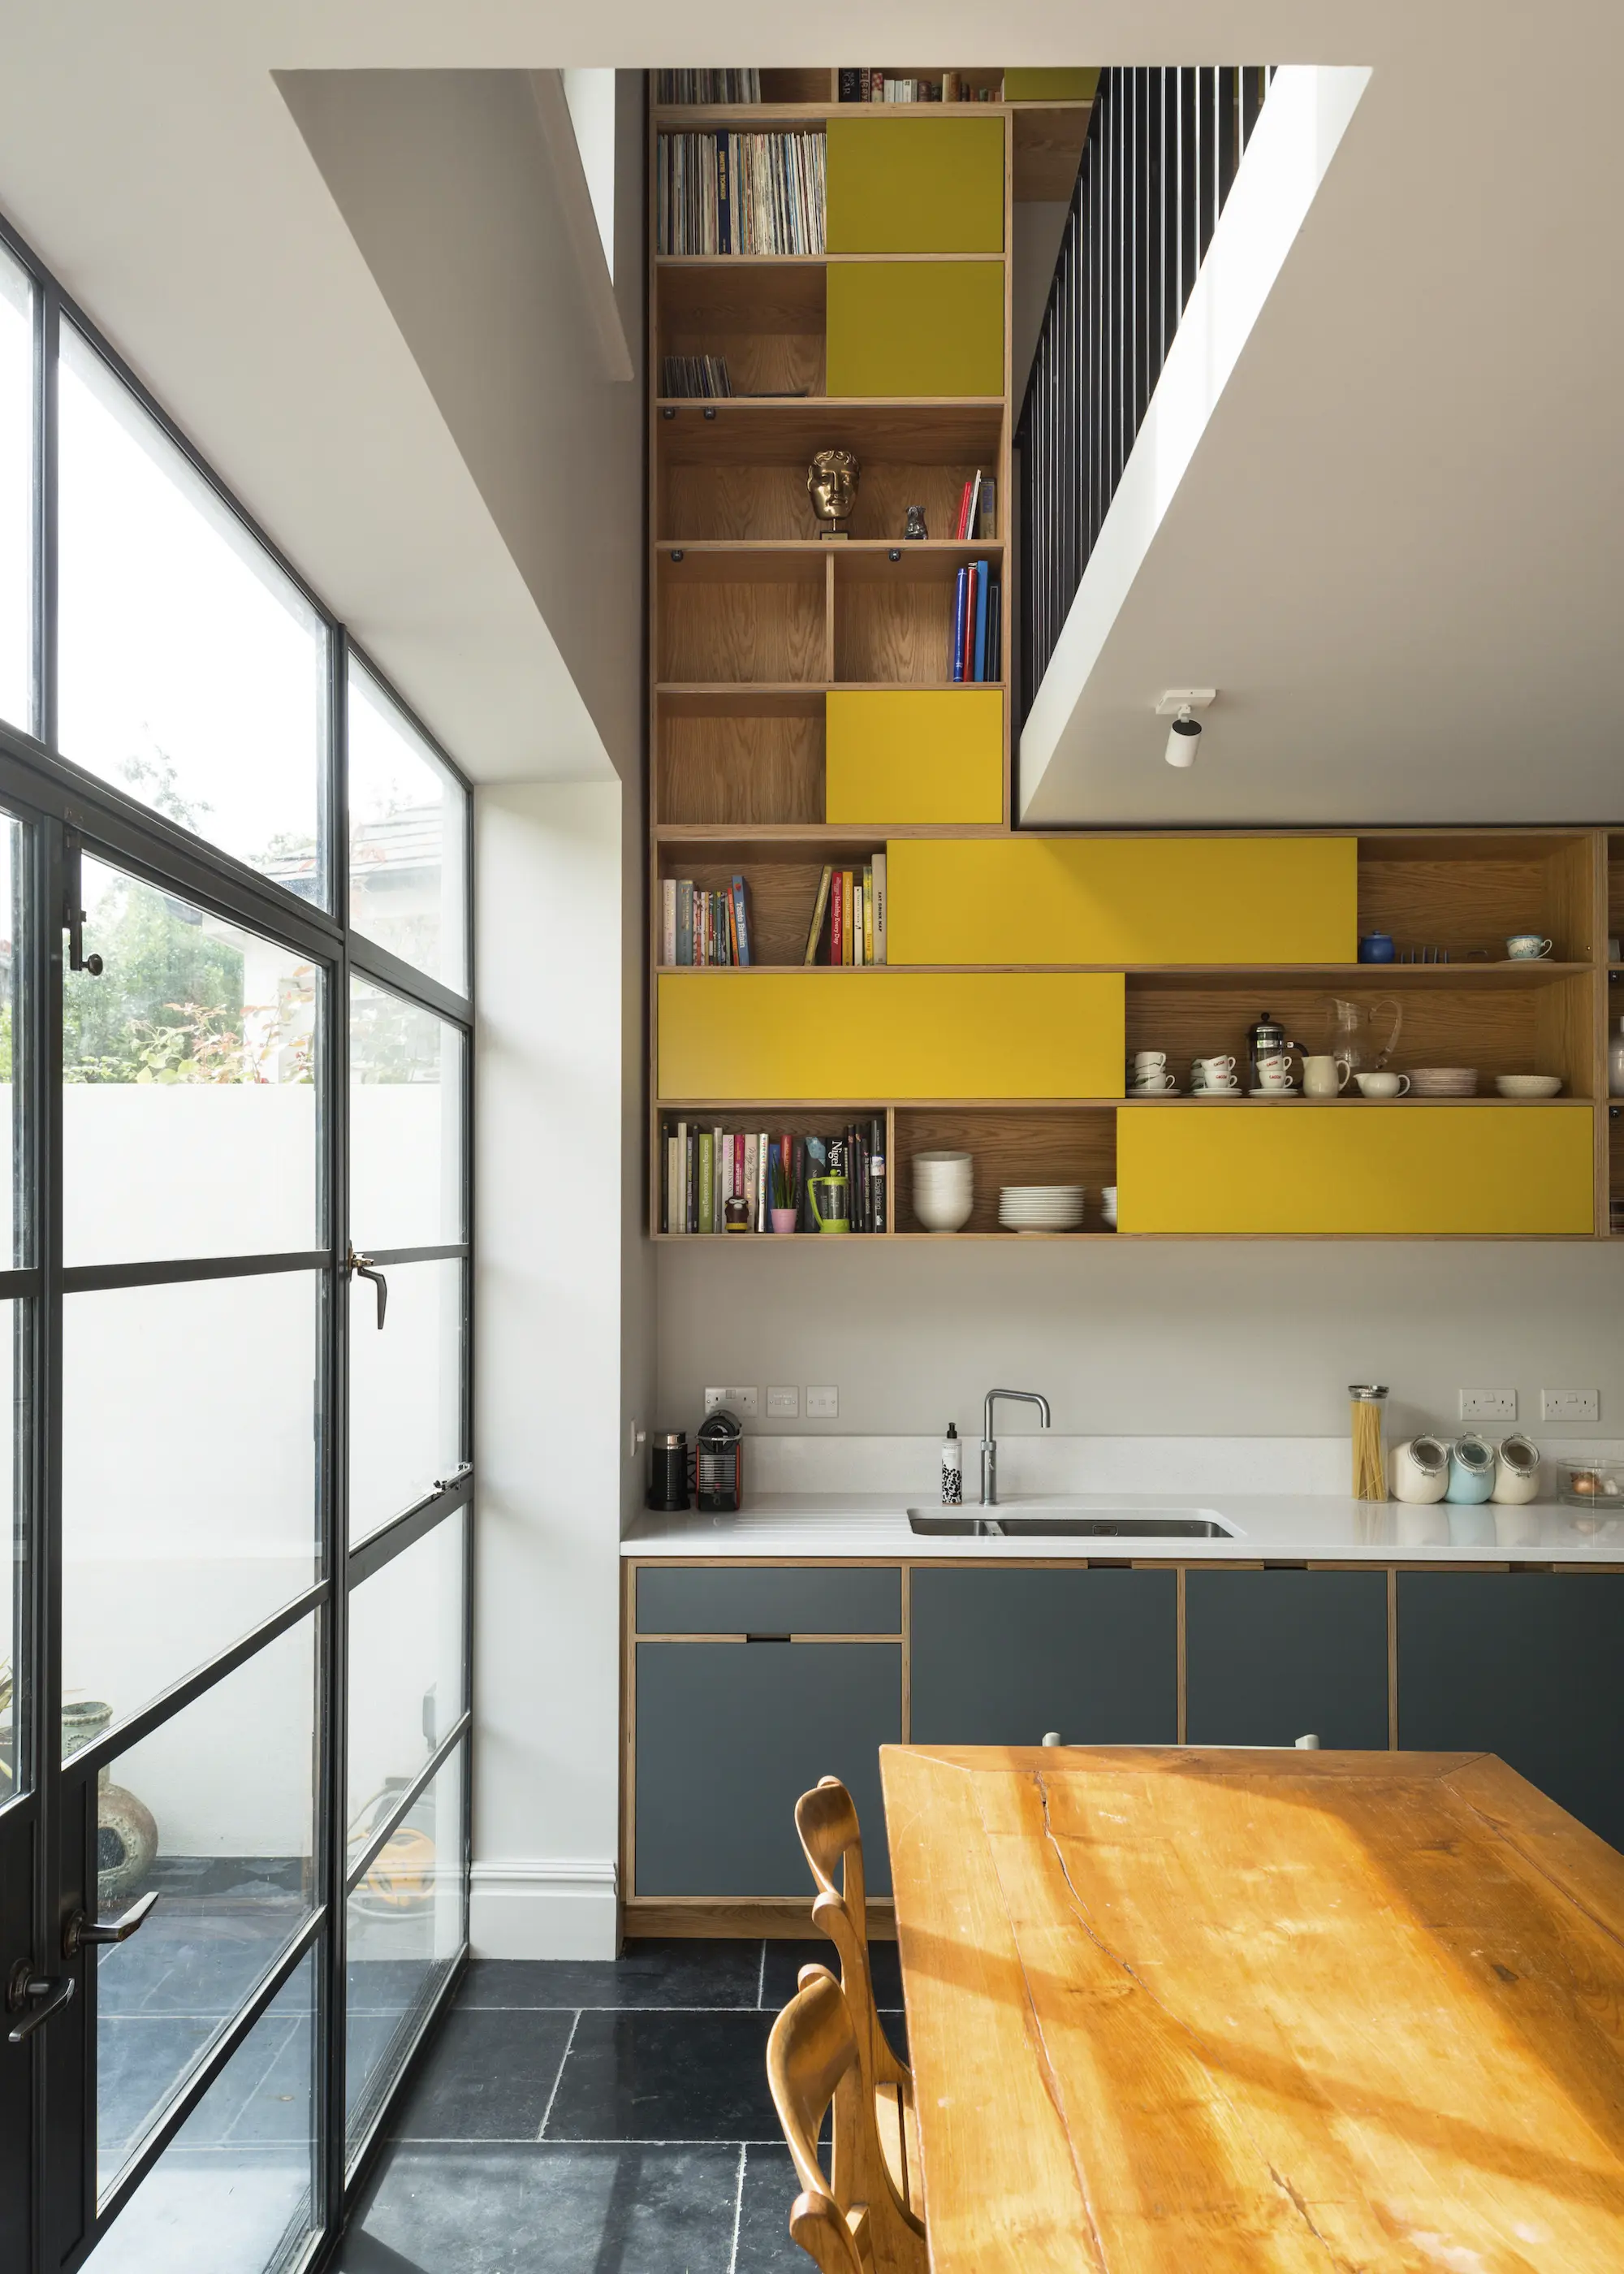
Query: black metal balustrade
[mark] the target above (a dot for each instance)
(1161, 152)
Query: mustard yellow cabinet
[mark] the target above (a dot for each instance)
(1126, 899)
(1404, 1169)
(883, 1035)
(916, 327)
(917, 754)
(916, 185)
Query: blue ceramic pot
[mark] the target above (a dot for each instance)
(1376, 947)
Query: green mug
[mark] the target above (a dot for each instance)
(830, 1206)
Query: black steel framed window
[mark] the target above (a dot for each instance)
(241, 1221)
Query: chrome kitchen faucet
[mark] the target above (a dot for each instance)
(989, 1447)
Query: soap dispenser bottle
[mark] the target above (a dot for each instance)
(952, 1468)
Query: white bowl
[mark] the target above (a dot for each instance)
(943, 1211)
(1528, 1085)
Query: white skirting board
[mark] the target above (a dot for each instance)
(544, 1906)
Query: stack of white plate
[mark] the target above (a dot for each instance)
(1040, 1208)
(1443, 1081)
(944, 1190)
(1108, 1206)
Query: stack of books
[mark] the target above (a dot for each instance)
(877, 86)
(709, 87)
(977, 517)
(978, 613)
(757, 193)
(700, 375)
(704, 927)
(848, 917)
(721, 1180)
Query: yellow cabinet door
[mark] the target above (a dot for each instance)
(916, 185)
(868, 1036)
(1402, 1168)
(1124, 900)
(1050, 86)
(916, 755)
(915, 327)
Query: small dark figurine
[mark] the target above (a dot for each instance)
(916, 522)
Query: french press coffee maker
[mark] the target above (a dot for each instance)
(1269, 1054)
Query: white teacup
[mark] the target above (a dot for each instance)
(1275, 1074)
(1382, 1085)
(1148, 1083)
(1324, 1077)
(1149, 1061)
(1216, 1072)
(1527, 947)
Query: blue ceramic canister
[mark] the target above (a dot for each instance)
(1376, 947)
(1471, 1470)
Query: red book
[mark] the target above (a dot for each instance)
(737, 1188)
(960, 525)
(836, 930)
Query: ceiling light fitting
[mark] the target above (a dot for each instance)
(1184, 736)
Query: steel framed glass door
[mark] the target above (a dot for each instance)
(234, 1019)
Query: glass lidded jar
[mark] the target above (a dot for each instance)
(1368, 1414)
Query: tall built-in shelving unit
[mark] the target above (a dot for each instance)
(756, 624)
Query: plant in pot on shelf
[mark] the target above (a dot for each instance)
(783, 1186)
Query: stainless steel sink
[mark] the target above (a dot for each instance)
(1053, 1520)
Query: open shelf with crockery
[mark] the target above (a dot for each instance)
(1464, 893)
(1026, 1145)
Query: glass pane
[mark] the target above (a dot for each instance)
(405, 1924)
(232, 2192)
(216, 1811)
(189, 1493)
(405, 1671)
(407, 816)
(16, 494)
(190, 672)
(405, 1122)
(190, 1112)
(405, 1390)
(14, 1677)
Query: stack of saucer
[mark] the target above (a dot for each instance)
(1108, 1206)
(1444, 1081)
(1040, 1208)
(944, 1190)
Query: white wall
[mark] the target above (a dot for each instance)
(556, 1055)
(1153, 1338)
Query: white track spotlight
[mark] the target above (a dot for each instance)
(1184, 736)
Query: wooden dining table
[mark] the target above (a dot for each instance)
(1186, 2011)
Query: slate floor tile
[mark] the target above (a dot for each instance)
(665, 2076)
(486, 2076)
(770, 2187)
(784, 1960)
(670, 1974)
(139, 2062)
(547, 2209)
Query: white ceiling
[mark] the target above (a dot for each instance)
(1396, 552)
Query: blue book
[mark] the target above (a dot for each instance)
(961, 604)
(740, 921)
(723, 198)
(981, 620)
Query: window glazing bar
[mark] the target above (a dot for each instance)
(105, 1749)
(431, 2013)
(407, 1802)
(17, 1287)
(412, 1524)
(402, 978)
(274, 1980)
(93, 1278)
(449, 1251)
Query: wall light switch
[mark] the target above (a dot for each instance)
(823, 1405)
(1488, 1405)
(745, 1403)
(782, 1405)
(1569, 1405)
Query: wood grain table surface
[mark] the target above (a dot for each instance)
(1185, 2011)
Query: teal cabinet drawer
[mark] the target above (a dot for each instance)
(766, 1598)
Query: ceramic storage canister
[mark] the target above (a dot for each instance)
(1471, 1470)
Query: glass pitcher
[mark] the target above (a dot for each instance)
(1353, 1034)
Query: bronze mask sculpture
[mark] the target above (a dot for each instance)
(832, 485)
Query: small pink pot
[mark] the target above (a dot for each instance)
(783, 1219)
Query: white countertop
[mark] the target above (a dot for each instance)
(1274, 1527)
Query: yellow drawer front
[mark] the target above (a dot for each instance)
(921, 754)
(1404, 1169)
(1050, 86)
(916, 185)
(1163, 900)
(915, 327)
(859, 1036)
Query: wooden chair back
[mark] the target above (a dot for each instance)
(812, 2062)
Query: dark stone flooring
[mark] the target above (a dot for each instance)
(585, 2118)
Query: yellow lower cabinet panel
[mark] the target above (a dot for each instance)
(915, 327)
(917, 755)
(916, 185)
(1122, 899)
(1402, 1170)
(860, 1036)
(1050, 86)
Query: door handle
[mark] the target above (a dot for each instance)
(73, 913)
(82, 1929)
(362, 1267)
(47, 1993)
